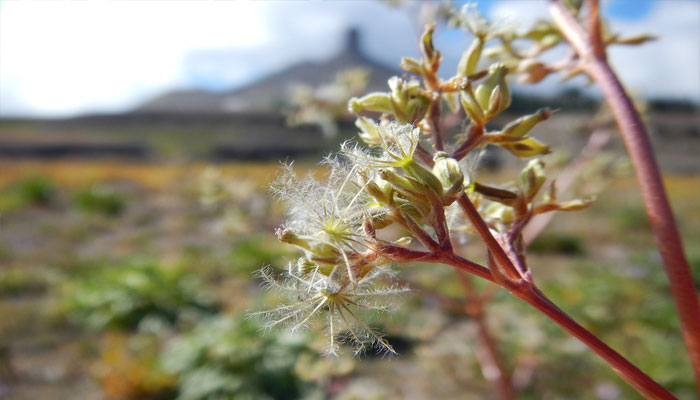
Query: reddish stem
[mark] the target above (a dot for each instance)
(651, 185)
(492, 366)
(625, 369)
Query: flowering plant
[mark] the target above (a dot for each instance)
(409, 177)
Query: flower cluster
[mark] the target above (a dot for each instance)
(399, 179)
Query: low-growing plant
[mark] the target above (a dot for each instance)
(227, 358)
(100, 199)
(34, 190)
(122, 296)
(413, 194)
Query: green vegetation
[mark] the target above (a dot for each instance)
(226, 357)
(125, 295)
(144, 329)
(22, 282)
(30, 191)
(100, 199)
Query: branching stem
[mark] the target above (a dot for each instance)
(651, 185)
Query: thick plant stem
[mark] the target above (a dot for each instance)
(651, 185)
(625, 369)
(527, 291)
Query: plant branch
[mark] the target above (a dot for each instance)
(482, 229)
(625, 369)
(651, 185)
(475, 134)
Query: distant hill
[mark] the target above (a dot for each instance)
(266, 94)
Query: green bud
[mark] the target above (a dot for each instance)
(377, 101)
(416, 109)
(574, 205)
(380, 190)
(423, 175)
(528, 147)
(485, 92)
(496, 102)
(411, 65)
(287, 236)
(470, 58)
(431, 55)
(452, 100)
(447, 170)
(522, 126)
(409, 104)
(532, 178)
(550, 196)
(471, 107)
(413, 191)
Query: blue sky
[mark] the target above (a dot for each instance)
(62, 58)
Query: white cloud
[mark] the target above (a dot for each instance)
(668, 67)
(61, 57)
(65, 57)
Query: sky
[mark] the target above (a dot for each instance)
(62, 58)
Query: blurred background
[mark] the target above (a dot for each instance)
(137, 141)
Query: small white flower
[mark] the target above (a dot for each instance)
(337, 301)
(326, 217)
(398, 144)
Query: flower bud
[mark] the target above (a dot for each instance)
(377, 101)
(411, 65)
(470, 58)
(416, 109)
(532, 71)
(447, 170)
(423, 175)
(287, 236)
(575, 205)
(431, 55)
(528, 147)
(485, 95)
(409, 104)
(522, 126)
(380, 190)
(471, 107)
(532, 178)
(410, 189)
